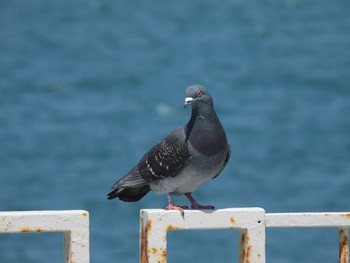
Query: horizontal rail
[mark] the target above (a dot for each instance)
(74, 224)
(251, 223)
(307, 219)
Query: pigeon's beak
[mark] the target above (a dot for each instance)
(188, 101)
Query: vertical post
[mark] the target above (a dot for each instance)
(154, 224)
(343, 245)
(252, 244)
(152, 239)
(75, 247)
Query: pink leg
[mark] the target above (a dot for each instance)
(171, 206)
(195, 205)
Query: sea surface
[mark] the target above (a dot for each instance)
(87, 87)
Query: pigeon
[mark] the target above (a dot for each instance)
(185, 159)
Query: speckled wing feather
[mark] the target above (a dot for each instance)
(166, 159)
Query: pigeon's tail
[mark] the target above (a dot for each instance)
(129, 194)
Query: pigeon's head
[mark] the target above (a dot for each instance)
(197, 95)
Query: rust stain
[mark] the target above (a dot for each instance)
(242, 240)
(241, 246)
(246, 252)
(163, 256)
(343, 247)
(28, 230)
(153, 250)
(345, 215)
(72, 256)
(233, 221)
(149, 226)
(85, 214)
(145, 231)
(171, 227)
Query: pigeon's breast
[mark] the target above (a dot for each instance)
(207, 135)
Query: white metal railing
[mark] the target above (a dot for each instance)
(251, 223)
(73, 223)
(155, 223)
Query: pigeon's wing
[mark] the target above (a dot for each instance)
(228, 155)
(166, 159)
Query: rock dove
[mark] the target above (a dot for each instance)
(184, 160)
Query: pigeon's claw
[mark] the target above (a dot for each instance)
(178, 208)
(196, 205)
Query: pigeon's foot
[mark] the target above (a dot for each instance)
(171, 206)
(196, 205)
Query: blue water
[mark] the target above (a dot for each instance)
(86, 87)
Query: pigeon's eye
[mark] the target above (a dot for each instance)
(199, 93)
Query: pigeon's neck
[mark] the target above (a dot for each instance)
(205, 132)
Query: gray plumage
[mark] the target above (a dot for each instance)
(185, 159)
